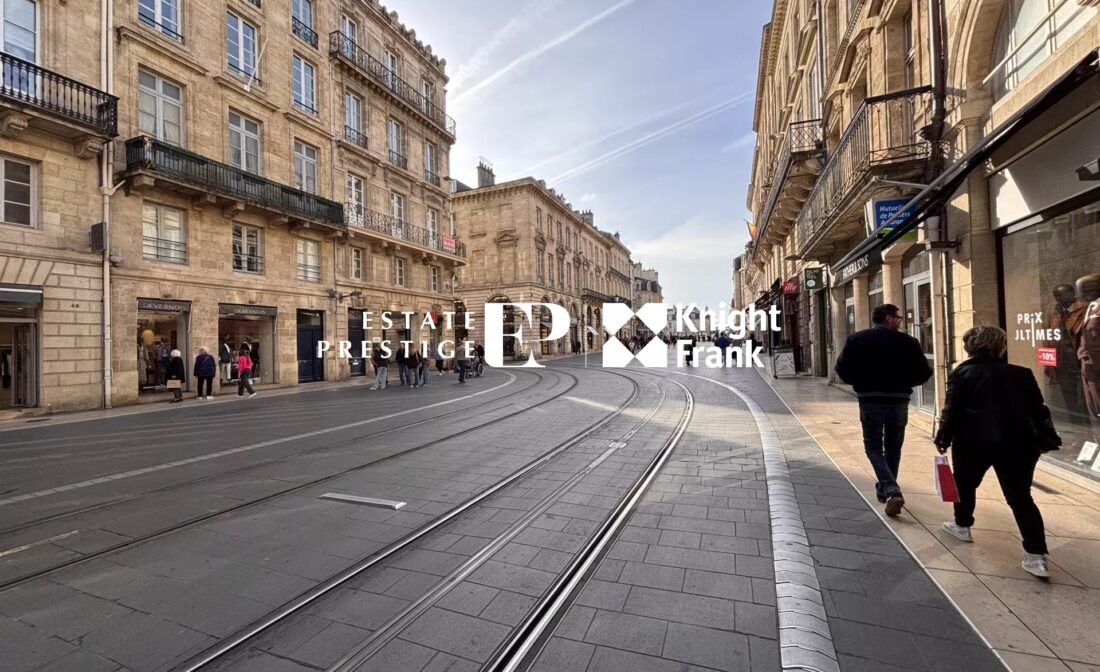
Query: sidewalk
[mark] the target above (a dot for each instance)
(1034, 626)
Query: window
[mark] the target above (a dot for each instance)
(399, 271)
(430, 172)
(356, 263)
(162, 233)
(397, 206)
(348, 28)
(561, 274)
(301, 21)
(20, 33)
(433, 226)
(353, 119)
(309, 260)
(559, 229)
(305, 167)
(426, 93)
(389, 60)
(435, 278)
(569, 277)
(396, 143)
(241, 44)
(1021, 54)
(540, 272)
(247, 257)
(244, 143)
(305, 83)
(163, 15)
(550, 269)
(354, 199)
(160, 108)
(538, 219)
(18, 180)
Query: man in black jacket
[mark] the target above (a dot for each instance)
(883, 365)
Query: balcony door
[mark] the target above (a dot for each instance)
(19, 36)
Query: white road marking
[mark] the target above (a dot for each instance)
(365, 501)
(13, 551)
(242, 449)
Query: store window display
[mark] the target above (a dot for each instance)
(1052, 315)
(252, 327)
(161, 328)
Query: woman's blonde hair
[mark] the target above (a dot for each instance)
(175, 353)
(985, 341)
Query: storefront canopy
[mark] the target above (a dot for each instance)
(24, 294)
(929, 201)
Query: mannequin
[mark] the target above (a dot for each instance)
(225, 357)
(1067, 315)
(1088, 353)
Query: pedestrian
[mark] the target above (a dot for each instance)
(164, 356)
(723, 343)
(994, 416)
(689, 358)
(479, 351)
(883, 364)
(439, 360)
(461, 363)
(412, 365)
(425, 371)
(175, 375)
(381, 368)
(205, 370)
(400, 358)
(244, 372)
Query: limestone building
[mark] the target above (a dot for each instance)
(526, 243)
(646, 289)
(938, 155)
(282, 168)
(55, 116)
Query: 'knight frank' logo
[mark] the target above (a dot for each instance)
(615, 354)
(494, 330)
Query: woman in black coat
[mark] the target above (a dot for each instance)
(176, 371)
(994, 416)
(205, 370)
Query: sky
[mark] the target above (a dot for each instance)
(639, 110)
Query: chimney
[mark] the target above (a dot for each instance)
(485, 176)
(586, 216)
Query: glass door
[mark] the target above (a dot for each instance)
(24, 362)
(918, 323)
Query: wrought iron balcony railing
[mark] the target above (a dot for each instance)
(882, 133)
(355, 137)
(392, 226)
(398, 159)
(248, 263)
(255, 3)
(308, 35)
(309, 272)
(801, 137)
(247, 73)
(599, 296)
(432, 178)
(341, 45)
(164, 249)
(160, 158)
(28, 84)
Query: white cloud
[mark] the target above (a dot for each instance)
(528, 16)
(588, 197)
(746, 140)
(540, 50)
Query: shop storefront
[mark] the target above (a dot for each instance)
(311, 331)
(253, 326)
(1046, 209)
(19, 358)
(162, 326)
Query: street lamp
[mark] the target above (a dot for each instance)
(340, 296)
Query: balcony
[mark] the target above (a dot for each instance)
(882, 140)
(356, 138)
(307, 34)
(596, 296)
(619, 274)
(309, 273)
(248, 263)
(164, 249)
(149, 161)
(398, 159)
(395, 228)
(343, 48)
(793, 174)
(432, 178)
(63, 106)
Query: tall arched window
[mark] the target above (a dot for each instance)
(1029, 33)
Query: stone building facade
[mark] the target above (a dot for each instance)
(978, 118)
(55, 117)
(270, 199)
(646, 288)
(526, 243)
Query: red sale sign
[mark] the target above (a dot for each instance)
(1046, 356)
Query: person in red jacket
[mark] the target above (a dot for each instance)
(244, 373)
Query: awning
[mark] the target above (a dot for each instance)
(30, 295)
(863, 258)
(931, 199)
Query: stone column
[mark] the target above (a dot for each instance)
(860, 285)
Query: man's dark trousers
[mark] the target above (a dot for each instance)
(883, 434)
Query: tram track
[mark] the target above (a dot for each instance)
(197, 520)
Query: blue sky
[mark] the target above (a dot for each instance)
(640, 110)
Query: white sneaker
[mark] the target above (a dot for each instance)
(209, 396)
(958, 531)
(1036, 565)
(251, 395)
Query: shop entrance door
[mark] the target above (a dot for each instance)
(357, 364)
(918, 322)
(18, 364)
(311, 329)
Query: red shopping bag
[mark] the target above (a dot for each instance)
(945, 481)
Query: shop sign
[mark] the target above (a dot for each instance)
(1030, 329)
(790, 285)
(1046, 356)
(236, 309)
(879, 211)
(448, 243)
(164, 306)
(860, 264)
(814, 278)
